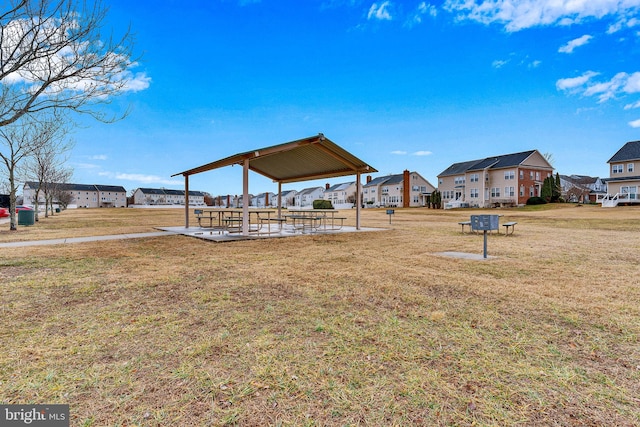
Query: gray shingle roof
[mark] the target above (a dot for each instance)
(340, 187)
(629, 151)
(377, 181)
(494, 162)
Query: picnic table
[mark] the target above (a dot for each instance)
(230, 220)
(315, 220)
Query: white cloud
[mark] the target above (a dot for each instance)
(399, 152)
(140, 178)
(380, 11)
(635, 124)
(85, 166)
(98, 157)
(146, 179)
(574, 82)
(422, 153)
(499, 63)
(571, 45)
(620, 84)
(521, 14)
(423, 9)
(632, 106)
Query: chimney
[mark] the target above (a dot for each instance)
(368, 179)
(326, 186)
(406, 194)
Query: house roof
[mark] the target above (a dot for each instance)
(622, 179)
(341, 187)
(114, 188)
(629, 151)
(580, 179)
(377, 181)
(494, 162)
(151, 190)
(80, 187)
(304, 159)
(309, 190)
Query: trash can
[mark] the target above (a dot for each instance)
(26, 217)
(57, 210)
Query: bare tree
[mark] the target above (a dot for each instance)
(52, 55)
(18, 141)
(45, 166)
(55, 188)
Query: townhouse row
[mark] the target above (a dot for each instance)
(504, 180)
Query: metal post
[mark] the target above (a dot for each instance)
(186, 202)
(358, 201)
(485, 243)
(245, 198)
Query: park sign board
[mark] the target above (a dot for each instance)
(484, 222)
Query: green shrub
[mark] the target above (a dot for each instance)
(536, 201)
(322, 204)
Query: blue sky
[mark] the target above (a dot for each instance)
(400, 84)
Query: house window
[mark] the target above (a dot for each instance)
(537, 176)
(495, 192)
(509, 191)
(508, 175)
(474, 177)
(474, 193)
(522, 191)
(531, 175)
(521, 174)
(630, 167)
(532, 191)
(617, 169)
(459, 180)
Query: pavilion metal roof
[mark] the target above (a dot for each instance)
(305, 159)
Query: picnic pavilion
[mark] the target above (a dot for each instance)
(306, 159)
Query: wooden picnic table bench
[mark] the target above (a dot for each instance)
(463, 223)
(511, 224)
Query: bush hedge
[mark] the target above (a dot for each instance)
(536, 201)
(322, 204)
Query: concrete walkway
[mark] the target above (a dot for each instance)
(83, 239)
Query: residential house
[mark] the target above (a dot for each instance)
(288, 198)
(341, 194)
(408, 189)
(163, 196)
(581, 188)
(266, 200)
(509, 179)
(79, 195)
(624, 178)
(305, 198)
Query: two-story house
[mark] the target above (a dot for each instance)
(305, 197)
(408, 189)
(624, 178)
(341, 194)
(581, 188)
(508, 179)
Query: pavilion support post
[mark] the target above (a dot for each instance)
(186, 203)
(245, 198)
(358, 203)
(279, 199)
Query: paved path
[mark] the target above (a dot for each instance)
(82, 239)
